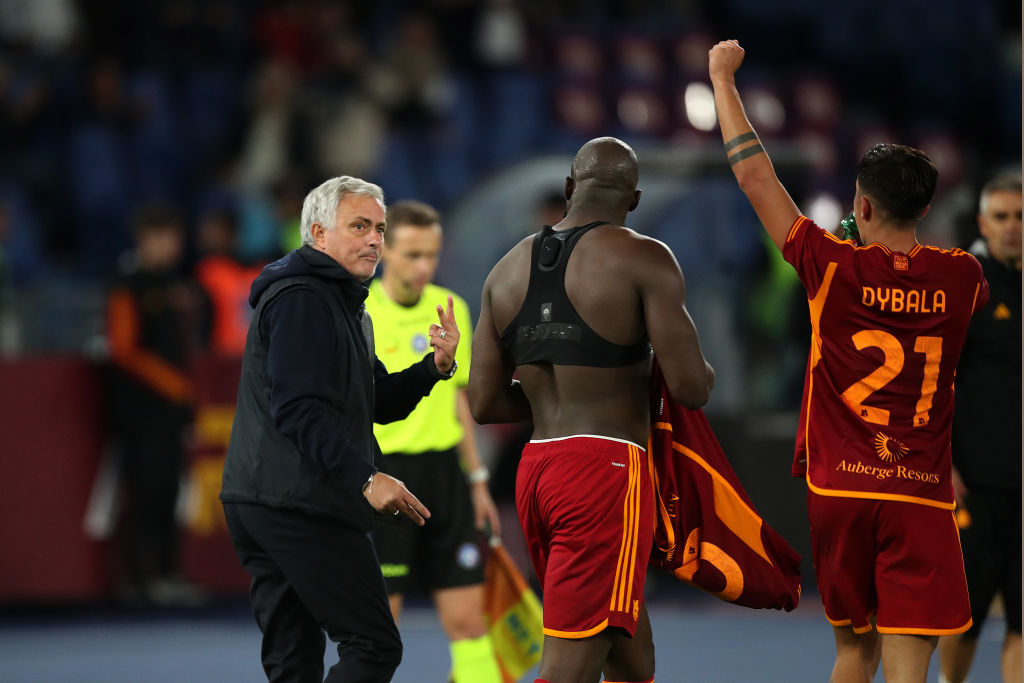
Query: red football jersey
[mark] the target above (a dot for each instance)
(886, 334)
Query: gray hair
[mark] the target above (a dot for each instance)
(321, 204)
(1005, 182)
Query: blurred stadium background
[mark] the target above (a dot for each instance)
(236, 108)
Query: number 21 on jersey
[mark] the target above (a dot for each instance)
(890, 368)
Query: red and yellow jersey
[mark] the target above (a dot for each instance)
(886, 334)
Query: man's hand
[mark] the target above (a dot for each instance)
(484, 510)
(724, 59)
(445, 338)
(387, 495)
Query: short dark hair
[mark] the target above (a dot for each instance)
(411, 212)
(901, 180)
(155, 217)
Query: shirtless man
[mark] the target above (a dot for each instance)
(573, 311)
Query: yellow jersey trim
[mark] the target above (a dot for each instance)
(926, 631)
(625, 567)
(576, 635)
(974, 302)
(839, 623)
(871, 495)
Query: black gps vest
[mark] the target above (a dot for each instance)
(547, 329)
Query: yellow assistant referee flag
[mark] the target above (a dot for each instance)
(514, 618)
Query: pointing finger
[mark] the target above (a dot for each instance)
(415, 511)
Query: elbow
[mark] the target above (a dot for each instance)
(482, 418)
(478, 407)
(484, 415)
(750, 179)
(694, 394)
(489, 410)
(694, 398)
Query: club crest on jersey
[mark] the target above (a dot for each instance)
(900, 262)
(419, 343)
(888, 448)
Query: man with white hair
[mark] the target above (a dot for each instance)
(300, 484)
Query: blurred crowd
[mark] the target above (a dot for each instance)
(228, 111)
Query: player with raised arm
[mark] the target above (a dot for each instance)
(888, 320)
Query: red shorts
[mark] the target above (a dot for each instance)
(586, 505)
(897, 560)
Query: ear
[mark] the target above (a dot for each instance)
(569, 187)
(636, 200)
(317, 231)
(867, 211)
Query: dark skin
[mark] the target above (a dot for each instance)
(625, 286)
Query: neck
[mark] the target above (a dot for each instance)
(896, 239)
(400, 295)
(590, 214)
(1010, 262)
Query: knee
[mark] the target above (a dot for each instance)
(379, 655)
(462, 624)
(635, 665)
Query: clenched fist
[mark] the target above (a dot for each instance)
(724, 59)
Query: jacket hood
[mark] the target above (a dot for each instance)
(302, 261)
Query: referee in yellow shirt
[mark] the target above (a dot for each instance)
(433, 450)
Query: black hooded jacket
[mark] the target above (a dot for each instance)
(310, 391)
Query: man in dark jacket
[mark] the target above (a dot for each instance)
(300, 461)
(986, 440)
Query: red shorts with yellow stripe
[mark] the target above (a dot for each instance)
(897, 561)
(586, 506)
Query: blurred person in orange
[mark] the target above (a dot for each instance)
(225, 281)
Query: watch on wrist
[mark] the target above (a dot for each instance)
(478, 476)
(451, 370)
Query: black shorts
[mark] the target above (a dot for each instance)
(446, 551)
(990, 534)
